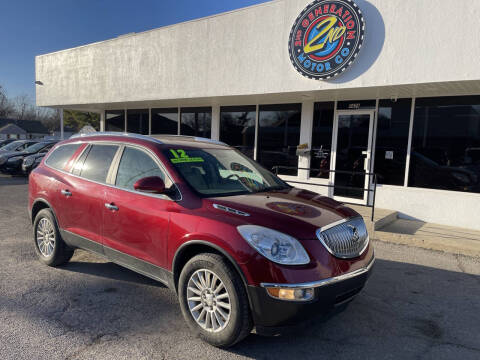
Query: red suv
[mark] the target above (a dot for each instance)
(239, 246)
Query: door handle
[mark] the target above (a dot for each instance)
(111, 206)
(65, 192)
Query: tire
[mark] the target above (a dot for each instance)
(45, 227)
(237, 324)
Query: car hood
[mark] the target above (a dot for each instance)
(9, 154)
(296, 212)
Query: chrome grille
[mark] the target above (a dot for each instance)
(346, 240)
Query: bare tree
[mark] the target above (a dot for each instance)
(6, 106)
(24, 108)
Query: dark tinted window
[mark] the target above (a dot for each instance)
(446, 144)
(165, 121)
(60, 156)
(321, 139)
(115, 120)
(237, 127)
(279, 136)
(137, 121)
(392, 141)
(98, 162)
(196, 122)
(134, 165)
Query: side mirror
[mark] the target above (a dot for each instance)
(150, 184)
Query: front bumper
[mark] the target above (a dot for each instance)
(269, 312)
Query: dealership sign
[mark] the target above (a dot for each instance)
(326, 38)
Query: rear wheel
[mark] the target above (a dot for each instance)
(49, 246)
(213, 300)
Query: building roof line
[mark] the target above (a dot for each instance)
(130, 34)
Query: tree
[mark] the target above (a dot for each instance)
(6, 106)
(78, 119)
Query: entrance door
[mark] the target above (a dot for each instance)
(352, 143)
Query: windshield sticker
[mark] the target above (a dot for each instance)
(180, 156)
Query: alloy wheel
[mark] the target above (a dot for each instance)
(208, 300)
(45, 237)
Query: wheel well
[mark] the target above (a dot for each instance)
(189, 251)
(39, 205)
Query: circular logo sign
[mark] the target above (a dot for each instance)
(326, 38)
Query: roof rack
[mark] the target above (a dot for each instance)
(195, 138)
(147, 137)
(112, 133)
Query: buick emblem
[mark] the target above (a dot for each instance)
(355, 236)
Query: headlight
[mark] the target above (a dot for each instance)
(461, 177)
(15, 159)
(28, 161)
(275, 246)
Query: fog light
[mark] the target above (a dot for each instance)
(291, 294)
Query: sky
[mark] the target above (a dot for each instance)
(33, 27)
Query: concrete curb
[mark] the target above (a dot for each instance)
(449, 245)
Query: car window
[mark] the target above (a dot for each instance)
(136, 164)
(98, 162)
(222, 172)
(60, 156)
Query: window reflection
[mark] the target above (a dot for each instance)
(321, 139)
(115, 120)
(392, 141)
(196, 122)
(279, 136)
(165, 121)
(237, 127)
(446, 144)
(137, 121)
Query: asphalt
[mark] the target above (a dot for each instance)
(418, 304)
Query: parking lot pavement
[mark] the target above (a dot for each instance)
(417, 304)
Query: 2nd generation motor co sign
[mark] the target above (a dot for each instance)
(326, 38)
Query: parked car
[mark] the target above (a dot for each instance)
(11, 162)
(6, 142)
(239, 246)
(30, 162)
(17, 145)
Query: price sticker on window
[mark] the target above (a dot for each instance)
(180, 156)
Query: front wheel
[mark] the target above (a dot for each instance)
(214, 301)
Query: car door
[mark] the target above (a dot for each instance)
(136, 224)
(83, 196)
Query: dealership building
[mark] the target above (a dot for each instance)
(336, 96)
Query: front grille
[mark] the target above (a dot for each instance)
(346, 240)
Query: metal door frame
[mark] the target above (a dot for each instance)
(368, 160)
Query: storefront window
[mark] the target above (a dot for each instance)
(196, 121)
(321, 139)
(137, 121)
(279, 136)
(115, 120)
(237, 127)
(392, 141)
(165, 121)
(446, 144)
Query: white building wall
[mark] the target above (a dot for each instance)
(245, 52)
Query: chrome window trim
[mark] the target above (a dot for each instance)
(324, 282)
(156, 196)
(329, 226)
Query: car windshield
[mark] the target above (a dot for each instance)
(222, 172)
(32, 149)
(12, 146)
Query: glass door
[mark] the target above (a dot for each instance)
(352, 157)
